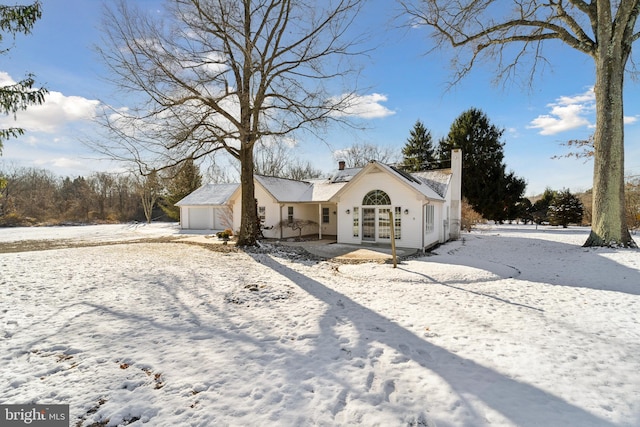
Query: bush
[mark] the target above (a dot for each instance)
(15, 220)
(470, 218)
(226, 234)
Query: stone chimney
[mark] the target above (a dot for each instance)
(456, 194)
(341, 165)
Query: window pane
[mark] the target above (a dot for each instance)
(429, 218)
(356, 222)
(397, 219)
(376, 197)
(384, 226)
(325, 215)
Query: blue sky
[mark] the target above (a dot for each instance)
(406, 85)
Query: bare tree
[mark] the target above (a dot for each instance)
(583, 147)
(271, 159)
(225, 74)
(358, 155)
(149, 188)
(278, 159)
(297, 224)
(605, 30)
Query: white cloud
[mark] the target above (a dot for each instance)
(367, 107)
(5, 79)
(57, 111)
(628, 120)
(61, 163)
(568, 112)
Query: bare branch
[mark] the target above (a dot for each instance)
(223, 75)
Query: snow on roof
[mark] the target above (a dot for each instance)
(438, 180)
(285, 190)
(434, 188)
(209, 194)
(344, 175)
(323, 190)
(432, 184)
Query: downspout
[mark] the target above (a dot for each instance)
(423, 224)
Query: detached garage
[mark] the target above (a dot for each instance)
(207, 208)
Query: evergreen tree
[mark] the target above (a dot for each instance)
(18, 96)
(565, 209)
(179, 184)
(418, 154)
(485, 184)
(513, 189)
(523, 210)
(540, 209)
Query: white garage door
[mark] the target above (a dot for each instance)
(200, 218)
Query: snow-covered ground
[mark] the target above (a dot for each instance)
(509, 326)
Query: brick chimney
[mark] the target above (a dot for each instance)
(341, 165)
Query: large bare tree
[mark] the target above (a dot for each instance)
(605, 30)
(225, 74)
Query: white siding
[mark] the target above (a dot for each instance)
(300, 211)
(435, 235)
(330, 228)
(400, 195)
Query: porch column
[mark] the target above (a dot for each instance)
(320, 221)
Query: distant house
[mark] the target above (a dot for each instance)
(351, 206)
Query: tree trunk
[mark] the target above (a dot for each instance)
(248, 213)
(608, 225)
(249, 225)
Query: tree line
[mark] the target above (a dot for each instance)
(30, 196)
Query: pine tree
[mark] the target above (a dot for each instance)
(565, 209)
(18, 96)
(179, 184)
(419, 154)
(485, 184)
(540, 209)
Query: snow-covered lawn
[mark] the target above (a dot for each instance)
(510, 326)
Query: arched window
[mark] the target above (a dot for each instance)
(376, 197)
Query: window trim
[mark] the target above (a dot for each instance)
(326, 215)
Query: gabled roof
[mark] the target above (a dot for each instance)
(424, 186)
(419, 184)
(210, 194)
(431, 184)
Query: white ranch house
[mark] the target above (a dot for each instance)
(351, 207)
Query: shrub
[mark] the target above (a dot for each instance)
(470, 218)
(15, 220)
